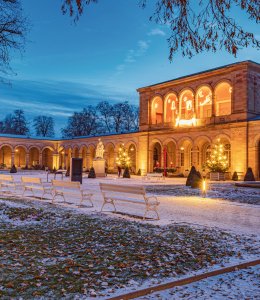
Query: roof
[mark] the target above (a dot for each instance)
(202, 72)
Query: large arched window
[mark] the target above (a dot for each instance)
(187, 105)
(204, 102)
(171, 105)
(157, 110)
(223, 99)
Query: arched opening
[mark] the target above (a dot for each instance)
(47, 159)
(187, 105)
(91, 152)
(157, 111)
(157, 156)
(132, 156)
(76, 152)
(34, 157)
(185, 156)
(171, 105)
(62, 159)
(171, 155)
(20, 157)
(84, 157)
(5, 157)
(68, 157)
(204, 102)
(223, 93)
(110, 158)
(205, 154)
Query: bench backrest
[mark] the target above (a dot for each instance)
(6, 178)
(33, 180)
(125, 189)
(66, 184)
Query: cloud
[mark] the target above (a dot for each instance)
(58, 99)
(157, 31)
(132, 55)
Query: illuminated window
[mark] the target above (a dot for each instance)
(204, 102)
(157, 110)
(187, 105)
(171, 105)
(223, 99)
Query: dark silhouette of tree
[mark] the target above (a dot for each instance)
(82, 123)
(118, 116)
(105, 111)
(13, 28)
(44, 126)
(207, 27)
(15, 123)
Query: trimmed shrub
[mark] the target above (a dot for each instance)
(235, 176)
(68, 172)
(139, 172)
(92, 173)
(189, 178)
(249, 175)
(196, 180)
(126, 173)
(13, 169)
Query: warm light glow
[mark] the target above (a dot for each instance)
(204, 188)
(181, 122)
(16, 150)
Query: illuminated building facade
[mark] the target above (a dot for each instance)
(185, 116)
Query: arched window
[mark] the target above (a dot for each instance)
(157, 110)
(204, 102)
(187, 105)
(223, 99)
(171, 105)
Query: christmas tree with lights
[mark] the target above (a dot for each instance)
(218, 161)
(123, 160)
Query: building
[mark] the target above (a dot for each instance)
(185, 116)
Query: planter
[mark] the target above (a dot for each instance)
(216, 176)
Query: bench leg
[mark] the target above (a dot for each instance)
(151, 208)
(108, 202)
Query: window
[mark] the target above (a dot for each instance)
(223, 99)
(157, 110)
(187, 105)
(171, 105)
(204, 102)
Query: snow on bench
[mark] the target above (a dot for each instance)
(127, 193)
(158, 176)
(62, 188)
(7, 181)
(35, 184)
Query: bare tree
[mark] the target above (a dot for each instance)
(82, 123)
(44, 126)
(105, 111)
(207, 26)
(15, 123)
(13, 27)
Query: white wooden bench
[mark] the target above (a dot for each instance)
(127, 193)
(7, 181)
(63, 188)
(35, 184)
(157, 176)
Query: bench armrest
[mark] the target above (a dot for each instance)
(152, 199)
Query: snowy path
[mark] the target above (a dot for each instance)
(195, 210)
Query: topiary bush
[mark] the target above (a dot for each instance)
(92, 173)
(126, 173)
(196, 180)
(189, 178)
(13, 169)
(235, 176)
(249, 175)
(139, 172)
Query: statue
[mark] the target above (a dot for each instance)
(100, 149)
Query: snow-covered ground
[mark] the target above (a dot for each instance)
(183, 205)
(242, 284)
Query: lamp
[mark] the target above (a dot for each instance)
(204, 187)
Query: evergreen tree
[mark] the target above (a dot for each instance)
(123, 160)
(218, 161)
(126, 173)
(13, 169)
(235, 176)
(92, 173)
(249, 175)
(190, 176)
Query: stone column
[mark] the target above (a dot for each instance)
(12, 158)
(88, 160)
(27, 159)
(40, 158)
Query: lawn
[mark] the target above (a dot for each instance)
(57, 252)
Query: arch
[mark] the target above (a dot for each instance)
(21, 147)
(204, 102)
(20, 156)
(47, 157)
(185, 147)
(156, 155)
(171, 156)
(157, 110)
(5, 156)
(222, 96)
(91, 155)
(187, 107)
(34, 156)
(132, 152)
(75, 152)
(171, 108)
(110, 157)
(83, 150)
(48, 147)
(225, 140)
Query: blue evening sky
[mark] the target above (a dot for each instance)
(110, 52)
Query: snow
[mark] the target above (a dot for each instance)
(183, 207)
